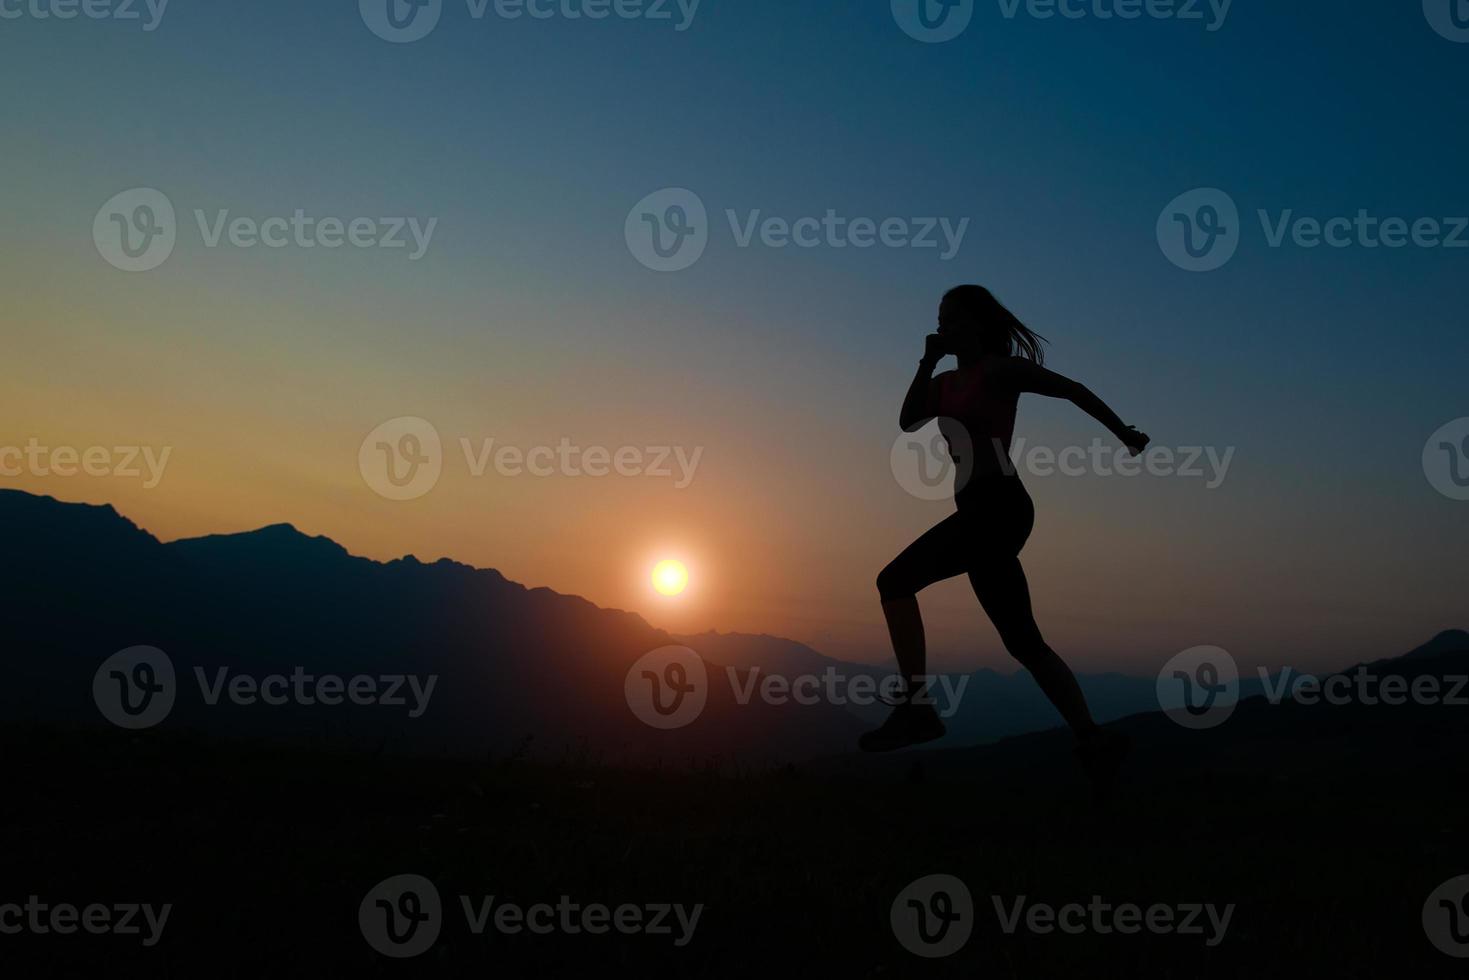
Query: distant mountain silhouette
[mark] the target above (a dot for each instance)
(517, 667)
(1449, 641)
(514, 664)
(992, 705)
(1261, 741)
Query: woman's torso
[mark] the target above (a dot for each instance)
(977, 398)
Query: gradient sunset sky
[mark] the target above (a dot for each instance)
(529, 320)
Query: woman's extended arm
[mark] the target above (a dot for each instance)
(1032, 377)
(915, 412)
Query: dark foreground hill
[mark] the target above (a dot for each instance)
(1326, 836)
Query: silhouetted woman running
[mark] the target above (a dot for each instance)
(999, 358)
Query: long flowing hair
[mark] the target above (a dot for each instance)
(997, 330)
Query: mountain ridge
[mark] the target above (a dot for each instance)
(523, 660)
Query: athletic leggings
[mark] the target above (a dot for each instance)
(982, 540)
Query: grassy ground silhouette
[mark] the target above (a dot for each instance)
(266, 852)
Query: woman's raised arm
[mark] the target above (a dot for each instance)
(1029, 376)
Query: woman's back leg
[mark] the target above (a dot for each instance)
(1004, 593)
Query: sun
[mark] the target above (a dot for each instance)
(670, 577)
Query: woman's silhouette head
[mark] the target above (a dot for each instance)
(976, 324)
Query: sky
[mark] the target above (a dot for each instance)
(526, 312)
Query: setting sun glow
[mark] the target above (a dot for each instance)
(670, 577)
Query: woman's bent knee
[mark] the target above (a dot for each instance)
(891, 584)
